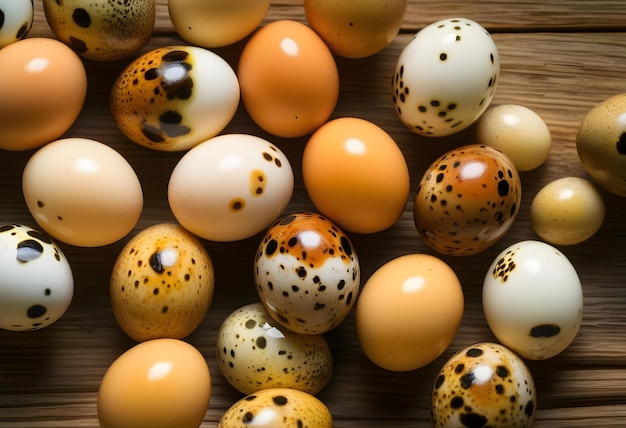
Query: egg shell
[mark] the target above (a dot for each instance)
(254, 352)
(467, 200)
(174, 97)
(37, 285)
(294, 93)
(43, 85)
(567, 211)
(307, 273)
(216, 23)
(445, 77)
(230, 187)
(162, 283)
(16, 20)
(601, 144)
(484, 385)
(102, 30)
(408, 312)
(364, 183)
(82, 192)
(277, 407)
(160, 383)
(533, 300)
(356, 28)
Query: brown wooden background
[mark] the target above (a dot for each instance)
(558, 57)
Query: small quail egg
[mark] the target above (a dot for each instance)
(16, 20)
(484, 385)
(445, 77)
(307, 273)
(162, 283)
(467, 200)
(255, 352)
(533, 300)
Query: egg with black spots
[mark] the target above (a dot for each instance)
(16, 20)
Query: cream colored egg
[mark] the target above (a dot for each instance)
(162, 283)
(16, 20)
(518, 131)
(567, 211)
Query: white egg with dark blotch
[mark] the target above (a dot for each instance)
(307, 273)
(102, 30)
(175, 97)
(254, 352)
(533, 300)
(445, 77)
(37, 285)
(230, 187)
(16, 20)
(484, 385)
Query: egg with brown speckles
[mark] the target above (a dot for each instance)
(175, 97)
(102, 30)
(162, 283)
(16, 20)
(484, 385)
(467, 200)
(255, 352)
(279, 408)
(307, 273)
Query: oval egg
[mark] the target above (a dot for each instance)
(16, 20)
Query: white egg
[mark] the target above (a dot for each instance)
(37, 285)
(16, 20)
(533, 299)
(230, 187)
(445, 77)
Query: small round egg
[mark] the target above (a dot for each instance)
(601, 144)
(533, 300)
(484, 385)
(16, 20)
(307, 273)
(517, 131)
(356, 28)
(467, 200)
(37, 285)
(408, 312)
(445, 77)
(356, 175)
(296, 91)
(162, 283)
(82, 192)
(102, 30)
(216, 23)
(230, 187)
(567, 211)
(277, 407)
(160, 383)
(43, 85)
(174, 97)
(254, 352)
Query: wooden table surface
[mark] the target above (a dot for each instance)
(559, 58)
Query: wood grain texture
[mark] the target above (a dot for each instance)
(50, 378)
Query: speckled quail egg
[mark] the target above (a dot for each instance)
(36, 285)
(445, 77)
(255, 352)
(467, 200)
(102, 30)
(307, 273)
(484, 385)
(16, 20)
(533, 299)
(162, 283)
(174, 97)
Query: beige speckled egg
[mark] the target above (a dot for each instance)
(254, 352)
(277, 408)
(484, 385)
(102, 30)
(601, 144)
(162, 283)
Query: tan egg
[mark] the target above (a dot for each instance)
(102, 30)
(162, 283)
(277, 408)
